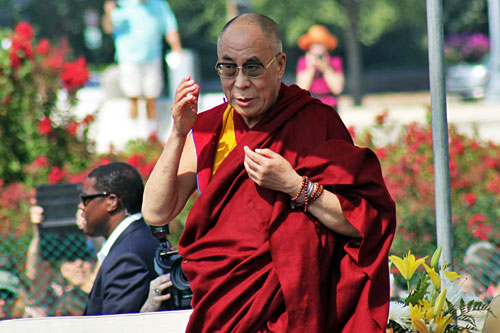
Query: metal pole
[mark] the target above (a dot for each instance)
(439, 130)
(493, 88)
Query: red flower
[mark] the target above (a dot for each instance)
(45, 126)
(469, 198)
(476, 219)
(79, 178)
(15, 61)
(24, 30)
(72, 127)
(43, 47)
(21, 49)
(41, 161)
(483, 231)
(146, 169)
(135, 160)
(381, 118)
(75, 74)
(352, 132)
(88, 119)
(382, 152)
(55, 63)
(56, 175)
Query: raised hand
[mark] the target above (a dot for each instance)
(185, 106)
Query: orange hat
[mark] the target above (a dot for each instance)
(317, 34)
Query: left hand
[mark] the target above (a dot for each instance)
(155, 297)
(270, 170)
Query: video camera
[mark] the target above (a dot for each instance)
(168, 260)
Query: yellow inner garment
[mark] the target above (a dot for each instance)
(227, 139)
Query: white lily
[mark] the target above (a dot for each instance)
(455, 292)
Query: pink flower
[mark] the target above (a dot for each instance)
(41, 161)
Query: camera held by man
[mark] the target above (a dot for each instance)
(167, 260)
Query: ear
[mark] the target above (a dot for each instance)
(113, 203)
(281, 65)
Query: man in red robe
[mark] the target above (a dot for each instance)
(293, 224)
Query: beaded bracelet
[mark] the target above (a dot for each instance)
(309, 192)
(303, 188)
(299, 199)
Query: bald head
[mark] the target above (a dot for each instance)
(269, 28)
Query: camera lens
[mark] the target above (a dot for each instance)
(177, 276)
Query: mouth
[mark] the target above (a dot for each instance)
(243, 101)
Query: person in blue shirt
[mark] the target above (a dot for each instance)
(138, 27)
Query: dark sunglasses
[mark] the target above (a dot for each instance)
(86, 198)
(251, 70)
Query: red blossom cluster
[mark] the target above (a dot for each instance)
(139, 162)
(44, 125)
(75, 74)
(479, 227)
(21, 48)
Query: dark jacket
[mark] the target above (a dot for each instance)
(122, 283)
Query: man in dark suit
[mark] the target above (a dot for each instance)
(111, 204)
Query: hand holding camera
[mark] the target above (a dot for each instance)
(168, 261)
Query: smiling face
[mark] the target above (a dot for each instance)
(245, 43)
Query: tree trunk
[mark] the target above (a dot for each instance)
(353, 49)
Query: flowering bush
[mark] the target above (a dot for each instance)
(466, 48)
(407, 164)
(41, 138)
(435, 301)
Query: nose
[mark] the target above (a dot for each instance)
(241, 81)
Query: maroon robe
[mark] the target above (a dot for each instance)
(254, 263)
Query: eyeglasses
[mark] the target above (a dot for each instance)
(86, 198)
(251, 70)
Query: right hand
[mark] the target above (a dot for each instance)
(153, 303)
(185, 106)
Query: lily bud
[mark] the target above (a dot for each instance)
(436, 256)
(439, 302)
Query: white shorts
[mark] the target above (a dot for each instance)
(142, 80)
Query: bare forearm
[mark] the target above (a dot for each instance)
(107, 26)
(328, 211)
(161, 193)
(270, 170)
(174, 40)
(334, 80)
